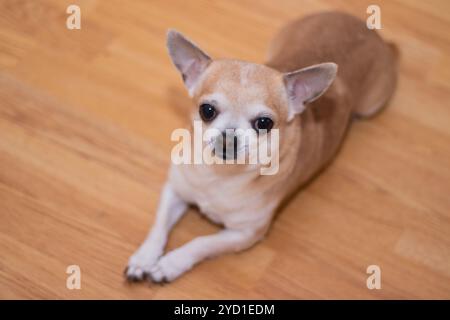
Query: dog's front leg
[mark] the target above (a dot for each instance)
(170, 210)
(178, 261)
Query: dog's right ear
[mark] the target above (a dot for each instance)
(189, 59)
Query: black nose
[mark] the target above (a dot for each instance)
(229, 144)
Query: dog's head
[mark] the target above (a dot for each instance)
(233, 97)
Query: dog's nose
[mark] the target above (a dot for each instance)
(229, 140)
(229, 144)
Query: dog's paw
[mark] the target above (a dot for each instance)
(169, 267)
(140, 264)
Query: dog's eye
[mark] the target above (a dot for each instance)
(263, 123)
(207, 112)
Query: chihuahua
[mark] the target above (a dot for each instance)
(300, 93)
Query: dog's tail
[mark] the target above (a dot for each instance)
(382, 83)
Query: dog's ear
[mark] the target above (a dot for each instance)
(306, 85)
(189, 59)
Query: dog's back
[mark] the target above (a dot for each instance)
(366, 79)
(367, 64)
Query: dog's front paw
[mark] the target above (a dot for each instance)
(169, 267)
(140, 264)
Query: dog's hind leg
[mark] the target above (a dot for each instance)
(379, 84)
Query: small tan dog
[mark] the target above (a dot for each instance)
(282, 94)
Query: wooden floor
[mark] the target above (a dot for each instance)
(85, 123)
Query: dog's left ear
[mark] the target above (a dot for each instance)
(306, 85)
(189, 59)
